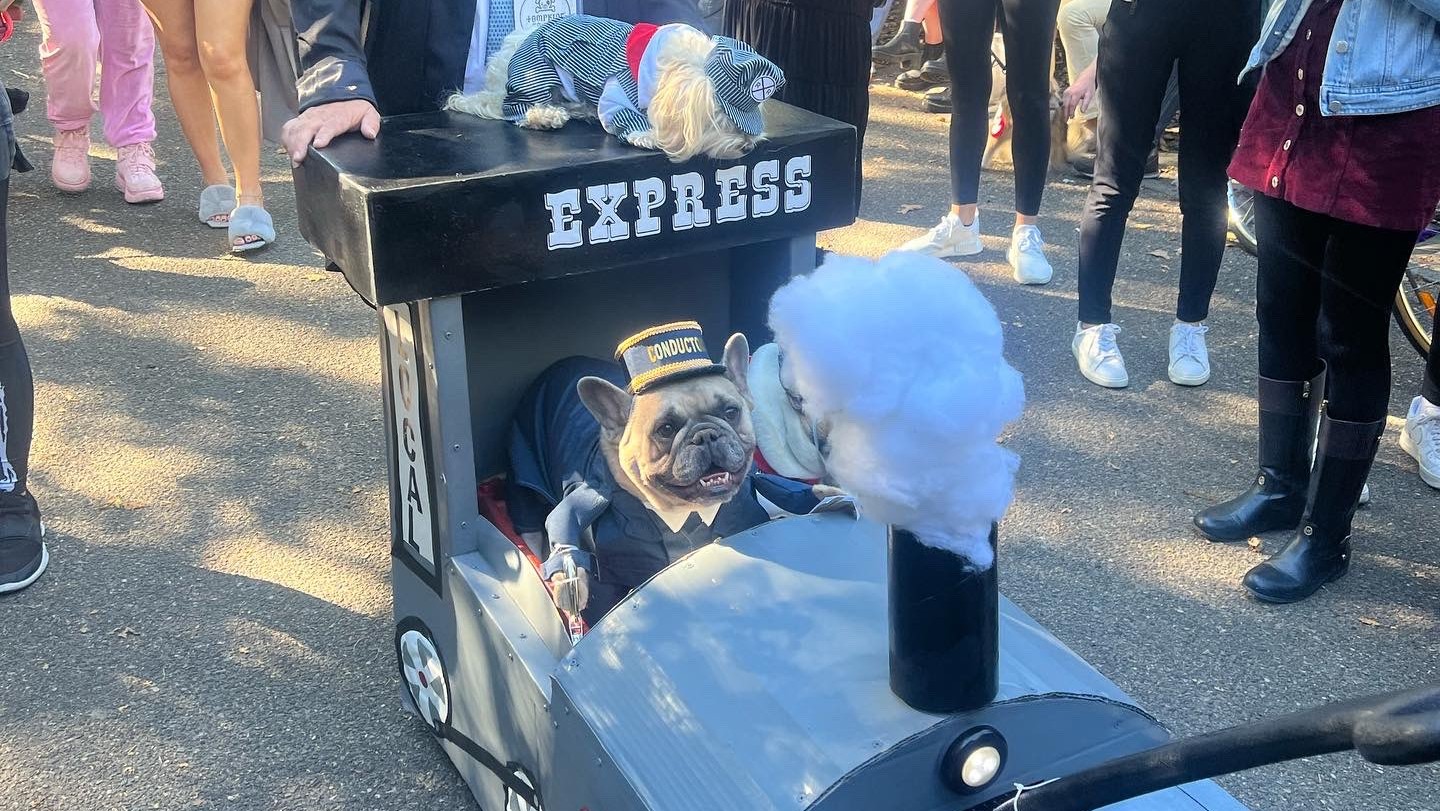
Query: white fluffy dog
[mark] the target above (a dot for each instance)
(670, 87)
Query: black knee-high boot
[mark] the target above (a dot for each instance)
(906, 48)
(1289, 411)
(1320, 550)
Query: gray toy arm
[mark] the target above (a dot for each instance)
(567, 527)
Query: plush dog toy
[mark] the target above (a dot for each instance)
(670, 87)
(628, 477)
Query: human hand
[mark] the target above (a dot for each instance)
(1081, 92)
(572, 593)
(320, 124)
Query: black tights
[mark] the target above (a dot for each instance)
(1324, 293)
(1143, 42)
(1028, 27)
(17, 388)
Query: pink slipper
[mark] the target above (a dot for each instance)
(135, 174)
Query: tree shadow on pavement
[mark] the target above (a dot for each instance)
(205, 690)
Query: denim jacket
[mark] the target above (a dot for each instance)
(1384, 56)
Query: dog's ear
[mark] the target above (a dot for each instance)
(608, 402)
(737, 362)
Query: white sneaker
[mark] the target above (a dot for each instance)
(1099, 357)
(1027, 256)
(950, 238)
(1189, 359)
(1421, 439)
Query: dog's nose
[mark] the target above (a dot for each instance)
(704, 436)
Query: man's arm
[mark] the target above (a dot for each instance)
(332, 59)
(334, 86)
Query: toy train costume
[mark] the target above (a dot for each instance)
(560, 480)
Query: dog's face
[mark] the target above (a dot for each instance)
(687, 443)
(685, 117)
(819, 429)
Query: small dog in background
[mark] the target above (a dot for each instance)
(997, 146)
(670, 88)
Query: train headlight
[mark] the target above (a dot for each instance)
(980, 766)
(973, 761)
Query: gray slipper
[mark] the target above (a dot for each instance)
(216, 203)
(251, 228)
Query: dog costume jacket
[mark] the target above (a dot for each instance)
(611, 66)
(557, 464)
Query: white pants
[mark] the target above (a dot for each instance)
(1079, 23)
(878, 19)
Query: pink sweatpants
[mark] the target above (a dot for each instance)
(75, 34)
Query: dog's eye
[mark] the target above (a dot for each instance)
(732, 413)
(666, 430)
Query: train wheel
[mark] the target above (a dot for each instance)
(425, 676)
(513, 801)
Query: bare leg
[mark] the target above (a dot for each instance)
(917, 10)
(175, 28)
(929, 12)
(220, 28)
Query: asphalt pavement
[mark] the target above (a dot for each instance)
(214, 630)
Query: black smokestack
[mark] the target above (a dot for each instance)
(944, 627)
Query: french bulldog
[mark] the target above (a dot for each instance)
(682, 447)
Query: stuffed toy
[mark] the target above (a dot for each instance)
(669, 88)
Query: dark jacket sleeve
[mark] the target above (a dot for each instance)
(332, 58)
(789, 495)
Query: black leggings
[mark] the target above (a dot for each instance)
(17, 388)
(1028, 27)
(1324, 293)
(1142, 42)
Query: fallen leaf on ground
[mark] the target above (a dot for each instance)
(906, 208)
(126, 632)
(1255, 544)
(1369, 621)
(1160, 254)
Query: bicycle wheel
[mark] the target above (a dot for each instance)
(1419, 291)
(1241, 202)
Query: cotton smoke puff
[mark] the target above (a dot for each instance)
(903, 358)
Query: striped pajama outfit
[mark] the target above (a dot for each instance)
(579, 60)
